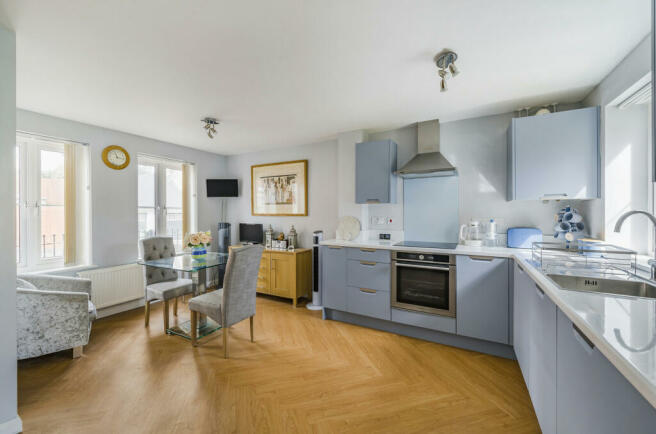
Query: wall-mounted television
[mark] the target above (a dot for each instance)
(222, 188)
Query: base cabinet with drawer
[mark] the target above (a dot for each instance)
(368, 302)
(356, 281)
(482, 298)
(368, 280)
(286, 274)
(593, 396)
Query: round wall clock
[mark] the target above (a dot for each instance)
(116, 157)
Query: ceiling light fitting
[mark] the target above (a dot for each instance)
(446, 64)
(210, 123)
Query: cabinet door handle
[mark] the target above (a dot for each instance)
(368, 250)
(368, 291)
(370, 264)
(335, 248)
(553, 195)
(539, 290)
(582, 337)
(481, 258)
(373, 200)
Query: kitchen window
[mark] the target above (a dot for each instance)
(51, 203)
(166, 199)
(628, 168)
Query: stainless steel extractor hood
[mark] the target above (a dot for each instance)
(429, 161)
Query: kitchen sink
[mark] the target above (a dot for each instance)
(635, 288)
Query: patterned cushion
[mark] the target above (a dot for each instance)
(169, 289)
(208, 304)
(92, 313)
(158, 248)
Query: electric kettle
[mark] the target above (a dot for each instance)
(470, 234)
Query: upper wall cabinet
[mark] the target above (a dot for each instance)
(375, 163)
(554, 156)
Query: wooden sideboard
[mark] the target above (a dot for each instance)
(286, 274)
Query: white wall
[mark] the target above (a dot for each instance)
(322, 190)
(114, 193)
(627, 174)
(634, 68)
(9, 421)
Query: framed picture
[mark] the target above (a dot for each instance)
(279, 188)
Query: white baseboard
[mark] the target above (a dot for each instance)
(12, 426)
(118, 308)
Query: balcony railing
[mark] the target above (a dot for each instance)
(52, 246)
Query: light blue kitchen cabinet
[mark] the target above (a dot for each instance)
(541, 381)
(482, 298)
(593, 396)
(522, 283)
(554, 156)
(333, 277)
(367, 254)
(368, 274)
(368, 302)
(375, 163)
(534, 340)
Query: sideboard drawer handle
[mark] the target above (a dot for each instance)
(368, 291)
(367, 263)
(368, 250)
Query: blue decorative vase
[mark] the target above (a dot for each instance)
(198, 253)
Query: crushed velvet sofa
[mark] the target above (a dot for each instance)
(54, 313)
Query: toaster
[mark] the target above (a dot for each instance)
(523, 238)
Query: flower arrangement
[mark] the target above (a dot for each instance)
(198, 241)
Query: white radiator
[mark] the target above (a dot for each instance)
(115, 285)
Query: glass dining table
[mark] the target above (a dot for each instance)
(198, 271)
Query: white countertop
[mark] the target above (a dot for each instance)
(622, 328)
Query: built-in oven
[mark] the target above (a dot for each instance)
(424, 282)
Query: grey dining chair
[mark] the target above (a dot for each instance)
(236, 300)
(161, 283)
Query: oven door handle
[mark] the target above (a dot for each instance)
(423, 267)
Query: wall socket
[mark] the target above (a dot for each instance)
(384, 236)
(380, 220)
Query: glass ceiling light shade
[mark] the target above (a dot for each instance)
(210, 123)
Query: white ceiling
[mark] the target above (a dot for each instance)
(288, 72)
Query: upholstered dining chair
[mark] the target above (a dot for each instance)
(161, 283)
(236, 300)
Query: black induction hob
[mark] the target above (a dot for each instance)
(427, 244)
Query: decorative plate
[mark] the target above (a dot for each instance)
(348, 228)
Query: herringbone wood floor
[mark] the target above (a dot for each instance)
(302, 374)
